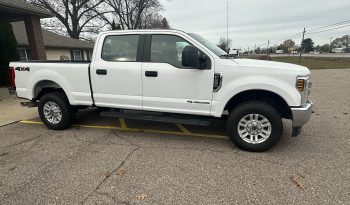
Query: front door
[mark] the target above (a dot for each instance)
(170, 87)
(117, 73)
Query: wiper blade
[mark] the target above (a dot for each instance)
(226, 56)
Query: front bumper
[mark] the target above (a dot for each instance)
(301, 115)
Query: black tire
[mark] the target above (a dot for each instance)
(66, 109)
(263, 109)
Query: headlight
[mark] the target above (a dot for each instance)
(303, 85)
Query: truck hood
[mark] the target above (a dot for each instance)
(301, 70)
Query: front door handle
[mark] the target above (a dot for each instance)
(101, 72)
(151, 74)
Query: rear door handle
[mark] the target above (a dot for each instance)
(101, 72)
(151, 74)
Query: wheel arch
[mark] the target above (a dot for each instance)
(47, 86)
(269, 97)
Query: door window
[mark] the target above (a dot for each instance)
(168, 49)
(120, 48)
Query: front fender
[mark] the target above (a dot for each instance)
(281, 87)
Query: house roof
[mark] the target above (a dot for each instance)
(22, 7)
(51, 40)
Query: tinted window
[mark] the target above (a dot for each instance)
(168, 49)
(120, 48)
(211, 46)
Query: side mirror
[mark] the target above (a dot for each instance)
(192, 58)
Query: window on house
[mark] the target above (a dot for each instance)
(90, 54)
(77, 55)
(22, 54)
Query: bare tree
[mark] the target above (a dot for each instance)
(73, 17)
(133, 14)
(287, 45)
(156, 21)
(225, 44)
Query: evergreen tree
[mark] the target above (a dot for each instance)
(165, 24)
(307, 45)
(8, 51)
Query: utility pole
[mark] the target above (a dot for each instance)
(268, 48)
(227, 44)
(330, 45)
(302, 46)
(255, 51)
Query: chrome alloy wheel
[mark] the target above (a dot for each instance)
(52, 112)
(254, 128)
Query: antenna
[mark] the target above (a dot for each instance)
(227, 29)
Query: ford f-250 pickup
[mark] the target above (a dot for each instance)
(170, 71)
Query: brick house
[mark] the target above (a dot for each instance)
(57, 47)
(33, 41)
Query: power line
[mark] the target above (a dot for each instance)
(328, 26)
(331, 29)
(321, 29)
(298, 35)
(290, 37)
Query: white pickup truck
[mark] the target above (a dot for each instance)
(170, 71)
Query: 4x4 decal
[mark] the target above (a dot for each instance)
(22, 68)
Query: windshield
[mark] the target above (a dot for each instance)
(211, 46)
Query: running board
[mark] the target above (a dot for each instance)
(156, 117)
(29, 104)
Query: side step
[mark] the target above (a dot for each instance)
(156, 117)
(29, 104)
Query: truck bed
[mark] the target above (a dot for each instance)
(72, 76)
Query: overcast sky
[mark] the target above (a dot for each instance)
(256, 21)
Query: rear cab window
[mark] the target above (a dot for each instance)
(120, 48)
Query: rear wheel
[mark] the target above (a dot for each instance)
(55, 111)
(255, 126)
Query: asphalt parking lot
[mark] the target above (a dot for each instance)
(111, 161)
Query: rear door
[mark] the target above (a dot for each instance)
(167, 85)
(116, 72)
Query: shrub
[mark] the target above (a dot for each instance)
(265, 57)
(8, 51)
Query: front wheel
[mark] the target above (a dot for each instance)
(255, 126)
(55, 111)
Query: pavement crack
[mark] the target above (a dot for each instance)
(95, 141)
(10, 123)
(25, 141)
(116, 133)
(127, 158)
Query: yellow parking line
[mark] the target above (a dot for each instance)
(31, 122)
(139, 130)
(183, 129)
(99, 127)
(122, 123)
(180, 133)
